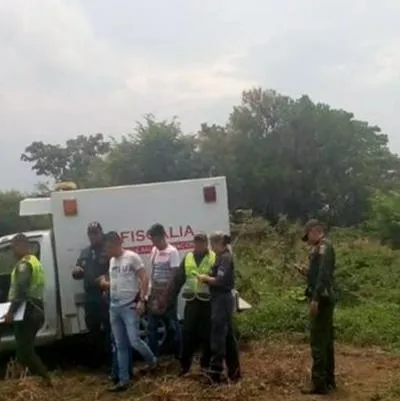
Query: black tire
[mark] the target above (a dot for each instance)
(162, 330)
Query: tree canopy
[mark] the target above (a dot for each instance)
(280, 156)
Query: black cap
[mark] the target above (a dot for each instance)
(94, 227)
(200, 237)
(308, 226)
(156, 230)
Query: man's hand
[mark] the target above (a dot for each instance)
(78, 273)
(313, 308)
(203, 278)
(140, 308)
(301, 269)
(104, 283)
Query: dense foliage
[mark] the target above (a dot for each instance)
(280, 155)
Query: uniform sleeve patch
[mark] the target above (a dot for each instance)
(22, 267)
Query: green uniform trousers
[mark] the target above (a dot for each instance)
(25, 334)
(322, 346)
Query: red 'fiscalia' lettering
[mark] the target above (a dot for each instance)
(172, 233)
(146, 249)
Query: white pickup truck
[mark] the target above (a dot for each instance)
(183, 207)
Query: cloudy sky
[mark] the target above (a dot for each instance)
(71, 67)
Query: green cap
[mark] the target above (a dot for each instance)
(309, 225)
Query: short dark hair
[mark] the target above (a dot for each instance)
(200, 237)
(20, 238)
(113, 237)
(156, 230)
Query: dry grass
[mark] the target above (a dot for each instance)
(272, 372)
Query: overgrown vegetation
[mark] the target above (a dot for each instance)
(368, 288)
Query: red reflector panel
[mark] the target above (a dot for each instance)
(70, 207)
(210, 194)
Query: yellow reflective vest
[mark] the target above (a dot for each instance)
(193, 288)
(36, 287)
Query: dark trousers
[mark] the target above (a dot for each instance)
(196, 331)
(322, 346)
(170, 318)
(223, 341)
(25, 334)
(98, 324)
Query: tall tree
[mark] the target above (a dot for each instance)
(300, 158)
(157, 151)
(72, 161)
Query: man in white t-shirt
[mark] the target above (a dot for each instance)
(128, 284)
(165, 263)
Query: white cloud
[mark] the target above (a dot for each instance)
(54, 37)
(84, 66)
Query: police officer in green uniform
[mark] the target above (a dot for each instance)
(27, 285)
(320, 294)
(197, 315)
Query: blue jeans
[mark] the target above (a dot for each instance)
(172, 325)
(125, 324)
(114, 362)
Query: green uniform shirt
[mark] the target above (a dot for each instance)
(320, 279)
(27, 282)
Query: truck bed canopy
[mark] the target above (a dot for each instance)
(35, 206)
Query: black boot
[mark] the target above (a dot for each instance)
(315, 391)
(331, 384)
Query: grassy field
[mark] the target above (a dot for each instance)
(272, 371)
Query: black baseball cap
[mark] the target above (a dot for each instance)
(94, 227)
(308, 226)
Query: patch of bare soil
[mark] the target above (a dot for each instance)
(275, 371)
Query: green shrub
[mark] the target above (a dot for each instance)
(368, 284)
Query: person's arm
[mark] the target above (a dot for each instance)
(175, 269)
(224, 274)
(324, 272)
(142, 276)
(176, 284)
(23, 281)
(180, 278)
(78, 270)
